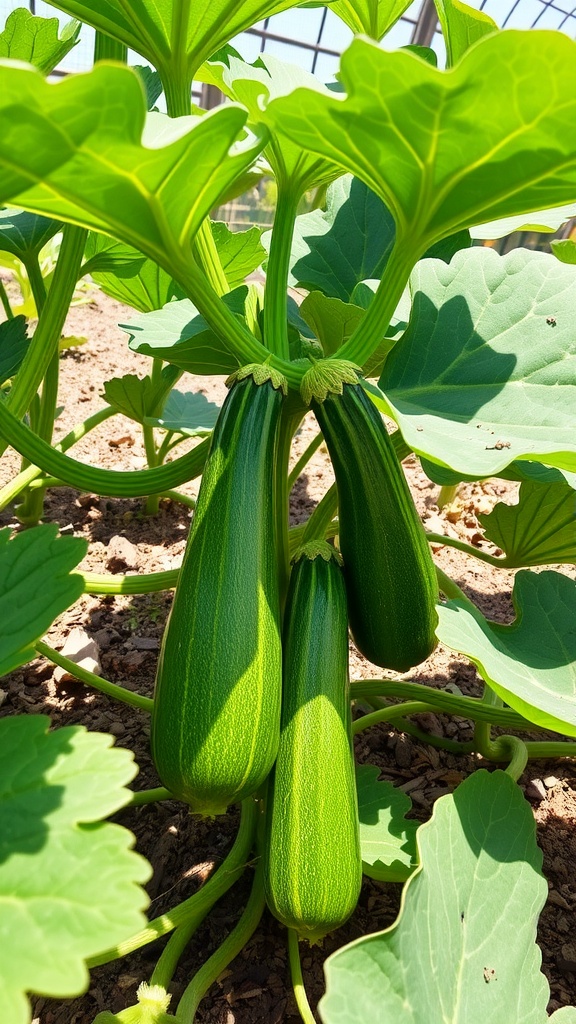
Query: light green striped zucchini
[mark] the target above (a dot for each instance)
(216, 717)
(312, 863)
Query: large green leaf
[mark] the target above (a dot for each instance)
(127, 275)
(400, 130)
(35, 587)
(25, 234)
(462, 26)
(348, 242)
(36, 40)
(176, 36)
(69, 883)
(84, 150)
(336, 249)
(387, 839)
(462, 950)
(486, 371)
(255, 85)
(531, 664)
(180, 335)
(14, 342)
(540, 529)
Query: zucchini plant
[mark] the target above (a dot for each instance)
(470, 354)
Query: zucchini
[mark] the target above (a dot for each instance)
(390, 576)
(312, 862)
(216, 716)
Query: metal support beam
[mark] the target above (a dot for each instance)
(426, 25)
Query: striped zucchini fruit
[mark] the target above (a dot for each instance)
(390, 576)
(312, 863)
(216, 717)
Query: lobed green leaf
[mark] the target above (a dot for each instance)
(485, 373)
(540, 529)
(387, 839)
(400, 127)
(35, 587)
(37, 40)
(68, 882)
(462, 949)
(531, 663)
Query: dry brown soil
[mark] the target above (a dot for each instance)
(127, 630)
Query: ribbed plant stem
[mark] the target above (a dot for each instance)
(276, 294)
(121, 484)
(197, 906)
(27, 476)
(232, 945)
(136, 700)
(48, 332)
(300, 996)
(414, 707)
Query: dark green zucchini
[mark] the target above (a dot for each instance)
(312, 863)
(390, 576)
(216, 717)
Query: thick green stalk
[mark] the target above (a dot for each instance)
(370, 331)
(300, 996)
(276, 294)
(136, 700)
(208, 259)
(549, 750)
(232, 945)
(461, 545)
(519, 754)
(48, 332)
(177, 91)
(36, 282)
(451, 589)
(33, 504)
(148, 583)
(449, 703)
(226, 325)
(411, 707)
(150, 796)
(107, 48)
(446, 495)
(27, 476)
(173, 950)
(113, 483)
(483, 730)
(198, 905)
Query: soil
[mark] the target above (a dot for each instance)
(127, 631)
